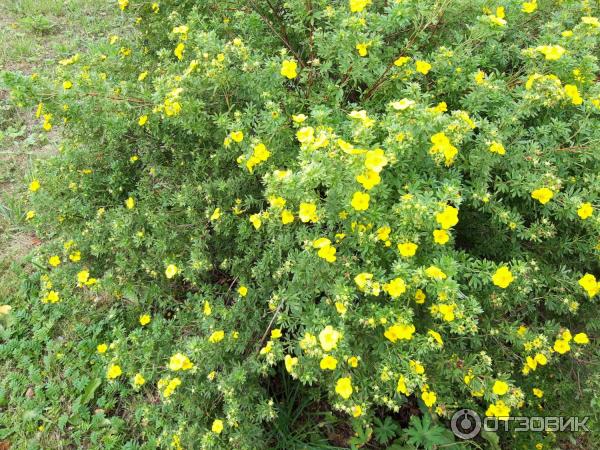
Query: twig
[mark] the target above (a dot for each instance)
(275, 314)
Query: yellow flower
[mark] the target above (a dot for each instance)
(358, 5)
(592, 21)
(581, 338)
(401, 386)
(286, 217)
(276, 333)
(145, 319)
(383, 233)
(407, 249)
(435, 272)
(500, 387)
(138, 379)
(572, 92)
(497, 147)
(447, 311)
(114, 371)
(305, 135)
(83, 276)
(417, 367)
(142, 76)
(543, 195)
(551, 52)
(243, 291)
(356, 411)
(585, 210)
(541, 359)
(375, 160)
(395, 287)
(299, 118)
(288, 69)
(51, 297)
(340, 308)
(34, 186)
(538, 392)
(420, 296)
(171, 386)
(448, 217)
(206, 309)
(479, 77)
(503, 277)
(217, 426)
(256, 222)
(401, 61)
(440, 236)
(343, 387)
(30, 215)
(360, 201)
(308, 212)
(101, 348)
(499, 410)
(498, 19)
(561, 346)
(436, 336)
(237, 136)
(327, 252)
(123, 4)
(369, 179)
(352, 361)
(529, 7)
(75, 256)
(362, 279)
(179, 51)
(328, 338)
(54, 261)
(216, 337)
(142, 120)
(328, 363)
(399, 332)
(180, 361)
(362, 48)
(130, 203)
(428, 398)
(422, 67)
(216, 214)
(290, 363)
(589, 284)
(171, 271)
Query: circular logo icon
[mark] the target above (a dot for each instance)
(465, 424)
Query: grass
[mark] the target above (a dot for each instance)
(34, 35)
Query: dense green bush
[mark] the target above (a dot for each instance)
(394, 203)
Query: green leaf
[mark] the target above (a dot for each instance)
(90, 389)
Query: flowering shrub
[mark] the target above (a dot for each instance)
(391, 203)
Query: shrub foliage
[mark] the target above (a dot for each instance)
(390, 202)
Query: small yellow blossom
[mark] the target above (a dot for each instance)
(145, 319)
(171, 271)
(542, 195)
(422, 67)
(114, 371)
(502, 277)
(343, 387)
(217, 426)
(288, 69)
(329, 338)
